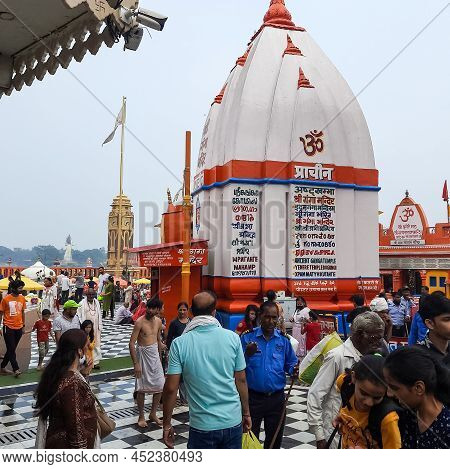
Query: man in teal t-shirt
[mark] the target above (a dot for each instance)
(212, 364)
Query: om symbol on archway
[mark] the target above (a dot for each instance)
(406, 214)
(313, 143)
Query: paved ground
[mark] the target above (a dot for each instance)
(18, 426)
(114, 342)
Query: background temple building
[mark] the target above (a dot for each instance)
(121, 212)
(414, 253)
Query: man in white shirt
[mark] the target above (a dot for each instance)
(123, 315)
(50, 297)
(90, 310)
(59, 283)
(102, 278)
(324, 400)
(67, 320)
(65, 288)
(128, 294)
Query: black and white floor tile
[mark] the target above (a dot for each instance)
(18, 426)
(114, 343)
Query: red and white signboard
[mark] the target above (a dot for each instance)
(408, 226)
(172, 257)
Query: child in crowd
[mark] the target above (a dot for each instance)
(88, 327)
(422, 385)
(312, 331)
(367, 419)
(44, 328)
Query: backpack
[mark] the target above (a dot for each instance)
(377, 413)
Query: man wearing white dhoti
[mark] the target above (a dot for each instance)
(90, 310)
(146, 356)
(50, 297)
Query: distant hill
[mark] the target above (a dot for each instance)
(48, 254)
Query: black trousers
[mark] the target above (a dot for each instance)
(269, 409)
(12, 338)
(399, 331)
(79, 294)
(64, 296)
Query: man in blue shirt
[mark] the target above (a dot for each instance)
(212, 364)
(399, 315)
(407, 301)
(269, 356)
(418, 330)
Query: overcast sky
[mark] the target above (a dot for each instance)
(57, 179)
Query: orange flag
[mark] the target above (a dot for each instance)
(445, 192)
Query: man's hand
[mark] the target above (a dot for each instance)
(295, 372)
(321, 444)
(137, 371)
(246, 423)
(251, 349)
(169, 437)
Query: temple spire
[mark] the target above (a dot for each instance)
(278, 15)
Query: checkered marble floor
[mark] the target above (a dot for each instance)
(114, 342)
(18, 426)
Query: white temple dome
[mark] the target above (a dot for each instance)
(282, 90)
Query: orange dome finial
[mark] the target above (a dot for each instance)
(278, 14)
(303, 82)
(291, 48)
(219, 97)
(241, 60)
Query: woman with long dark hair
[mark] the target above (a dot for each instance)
(250, 320)
(178, 325)
(64, 399)
(421, 385)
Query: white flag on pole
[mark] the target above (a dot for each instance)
(120, 119)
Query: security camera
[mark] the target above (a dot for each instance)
(151, 19)
(133, 38)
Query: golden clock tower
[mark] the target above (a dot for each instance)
(120, 233)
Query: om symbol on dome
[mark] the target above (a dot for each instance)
(313, 143)
(406, 214)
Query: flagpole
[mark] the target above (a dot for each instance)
(119, 230)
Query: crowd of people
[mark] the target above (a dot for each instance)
(363, 396)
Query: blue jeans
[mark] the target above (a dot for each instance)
(229, 438)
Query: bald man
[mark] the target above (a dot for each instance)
(212, 364)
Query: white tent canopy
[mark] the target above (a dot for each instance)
(38, 271)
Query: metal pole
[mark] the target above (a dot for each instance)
(187, 216)
(119, 227)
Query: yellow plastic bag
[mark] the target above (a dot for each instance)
(311, 364)
(249, 441)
